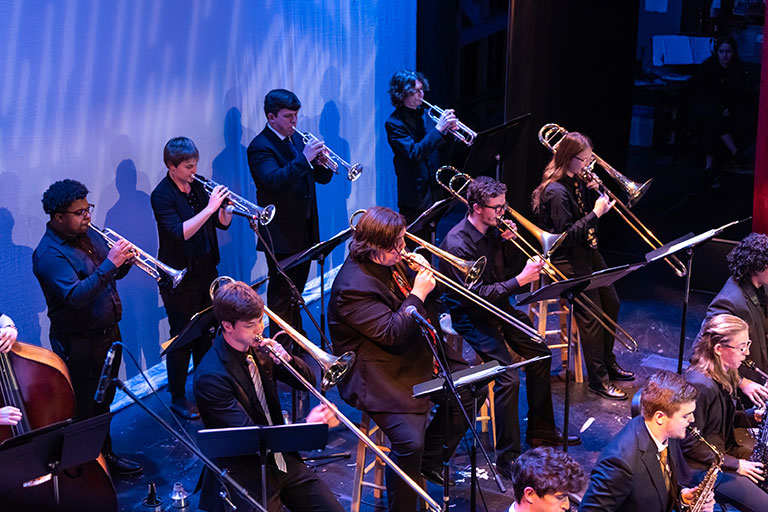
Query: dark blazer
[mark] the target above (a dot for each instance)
(171, 211)
(715, 417)
(627, 476)
(226, 398)
(368, 318)
(287, 182)
(415, 142)
(742, 301)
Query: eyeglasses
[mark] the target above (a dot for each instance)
(498, 208)
(582, 160)
(742, 348)
(82, 211)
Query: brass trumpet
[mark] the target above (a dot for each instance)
(550, 135)
(462, 132)
(549, 242)
(468, 269)
(142, 259)
(240, 205)
(332, 160)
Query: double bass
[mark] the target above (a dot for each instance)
(36, 381)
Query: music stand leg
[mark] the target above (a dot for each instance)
(321, 262)
(446, 451)
(473, 456)
(263, 461)
(686, 296)
(567, 402)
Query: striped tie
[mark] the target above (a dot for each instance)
(256, 378)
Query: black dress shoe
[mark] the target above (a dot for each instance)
(184, 409)
(608, 390)
(120, 466)
(504, 467)
(552, 439)
(616, 372)
(435, 475)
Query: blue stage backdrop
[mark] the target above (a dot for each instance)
(92, 90)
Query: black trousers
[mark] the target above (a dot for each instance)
(416, 445)
(299, 489)
(596, 342)
(279, 297)
(181, 303)
(84, 356)
(491, 339)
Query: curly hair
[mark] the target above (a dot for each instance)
(547, 471)
(178, 150)
(666, 391)
(718, 329)
(402, 83)
(61, 194)
(483, 189)
(748, 258)
(377, 230)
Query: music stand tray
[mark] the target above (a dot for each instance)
(493, 145)
(319, 251)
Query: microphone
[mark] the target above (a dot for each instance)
(412, 312)
(105, 379)
(234, 211)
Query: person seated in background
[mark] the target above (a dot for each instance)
(543, 480)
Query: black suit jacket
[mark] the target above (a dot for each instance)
(287, 182)
(628, 477)
(226, 398)
(368, 318)
(739, 301)
(415, 142)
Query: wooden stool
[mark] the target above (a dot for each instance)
(361, 469)
(540, 313)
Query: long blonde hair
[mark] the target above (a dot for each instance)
(718, 329)
(570, 146)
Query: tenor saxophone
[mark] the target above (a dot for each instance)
(707, 485)
(760, 451)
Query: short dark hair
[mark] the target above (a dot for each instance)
(237, 301)
(749, 257)
(61, 194)
(666, 391)
(483, 189)
(278, 99)
(178, 150)
(402, 84)
(377, 230)
(547, 471)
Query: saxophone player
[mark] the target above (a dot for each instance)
(640, 469)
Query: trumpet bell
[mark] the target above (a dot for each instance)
(266, 214)
(354, 172)
(175, 275)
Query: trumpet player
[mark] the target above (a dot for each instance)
(77, 273)
(285, 172)
(373, 309)
(642, 467)
(187, 219)
(565, 203)
(416, 142)
(235, 386)
(474, 237)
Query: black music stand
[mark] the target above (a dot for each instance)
(431, 216)
(51, 451)
(492, 146)
(568, 289)
(688, 242)
(262, 440)
(319, 252)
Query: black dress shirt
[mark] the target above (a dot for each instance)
(559, 212)
(498, 281)
(79, 289)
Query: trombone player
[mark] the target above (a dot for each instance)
(563, 203)
(470, 239)
(370, 312)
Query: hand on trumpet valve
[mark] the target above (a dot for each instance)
(218, 196)
(322, 414)
(275, 350)
(603, 205)
(530, 272)
(447, 121)
(510, 230)
(121, 252)
(313, 149)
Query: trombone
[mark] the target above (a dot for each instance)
(470, 271)
(342, 363)
(240, 205)
(549, 243)
(142, 259)
(462, 132)
(550, 135)
(332, 160)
